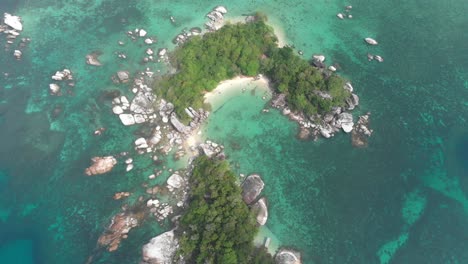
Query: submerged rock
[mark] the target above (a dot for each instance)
(120, 226)
(160, 249)
(101, 165)
(251, 188)
(123, 76)
(54, 88)
(361, 132)
(92, 59)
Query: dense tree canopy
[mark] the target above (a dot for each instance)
(218, 227)
(246, 49)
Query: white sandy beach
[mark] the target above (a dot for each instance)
(231, 87)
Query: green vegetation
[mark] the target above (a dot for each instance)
(246, 49)
(218, 227)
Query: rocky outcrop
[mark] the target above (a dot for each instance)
(361, 132)
(345, 121)
(142, 103)
(371, 41)
(285, 256)
(352, 101)
(251, 188)
(121, 77)
(54, 89)
(175, 181)
(216, 18)
(160, 249)
(211, 149)
(101, 165)
(178, 125)
(63, 75)
(261, 210)
(12, 21)
(120, 226)
(127, 119)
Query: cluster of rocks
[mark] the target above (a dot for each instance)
(325, 125)
(212, 149)
(140, 110)
(140, 33)
(216, 18)
(12, 28)
(160, 249)
(361, 132)
(61, 76)
(160, 210)
(318, 61)
(185, 35)
(121, 195)
(101, 165)
(346, 13)
(120, 225)
(370, 56)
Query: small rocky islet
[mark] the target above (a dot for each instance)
(169, 134)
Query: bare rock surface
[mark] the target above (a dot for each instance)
(101, 165)
(261, 210)
(160, 249)
(251, 188)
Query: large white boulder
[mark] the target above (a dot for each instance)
(54, 88)
(142, 33)
(346, 122)
(117, 110)
(221, 9)
(13, 21)
(261, 210)
(319, 58)
(175, 181)
(127, 119)
(371, 41)
(160, 249)
(141, 143)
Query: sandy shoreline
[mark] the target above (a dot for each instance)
(229, 87)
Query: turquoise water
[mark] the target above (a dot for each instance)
(401, 200)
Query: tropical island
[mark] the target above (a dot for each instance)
(307, 91)
(217, 216)
(248, 49)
